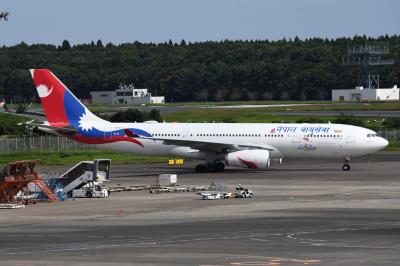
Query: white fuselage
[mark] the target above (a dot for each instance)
(291, 140)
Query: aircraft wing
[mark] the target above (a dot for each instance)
(212, 146)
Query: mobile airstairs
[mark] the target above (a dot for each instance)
(83, 173)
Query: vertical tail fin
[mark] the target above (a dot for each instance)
(60, 105)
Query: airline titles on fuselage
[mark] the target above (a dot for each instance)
(293, 129)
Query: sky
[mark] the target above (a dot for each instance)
(120, 21)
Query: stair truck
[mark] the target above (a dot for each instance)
(85, 179)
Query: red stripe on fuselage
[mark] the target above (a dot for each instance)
(92, 140)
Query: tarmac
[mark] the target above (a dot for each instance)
(303, 213)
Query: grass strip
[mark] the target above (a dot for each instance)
(72, 157)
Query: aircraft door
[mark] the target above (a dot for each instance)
(350, 138)
(296, 138)
(186, 135)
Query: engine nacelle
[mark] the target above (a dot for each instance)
(255, 159)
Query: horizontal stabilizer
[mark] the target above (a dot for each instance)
(69, 129)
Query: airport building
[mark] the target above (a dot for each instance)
(367, 58)
(360, 94)
(125, 94)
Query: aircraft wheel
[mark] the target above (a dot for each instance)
(346, 167)
(200, 168)
(220, 167)
(211, 168)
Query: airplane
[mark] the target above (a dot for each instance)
(4, 15)
(246, 145)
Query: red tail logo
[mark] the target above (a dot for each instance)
(51, 92)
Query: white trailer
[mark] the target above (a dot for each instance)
(212, 195)
(167, 179)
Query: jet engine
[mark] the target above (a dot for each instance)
(255, 159)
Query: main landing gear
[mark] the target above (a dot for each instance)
(346, 165)
(210, 167)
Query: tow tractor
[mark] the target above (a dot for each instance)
(243, 192)
(91, 190)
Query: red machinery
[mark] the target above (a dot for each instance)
(16, 177)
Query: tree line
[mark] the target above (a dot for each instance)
(287, 69)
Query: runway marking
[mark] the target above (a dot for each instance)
(255, 263)
(255, 235)
(277, 261)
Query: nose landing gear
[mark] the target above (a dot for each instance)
(346, 165)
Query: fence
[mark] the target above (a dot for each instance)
(51, 143)
(43, 143)
(393, 135)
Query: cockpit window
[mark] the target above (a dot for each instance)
(369, 135)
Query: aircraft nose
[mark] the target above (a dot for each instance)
(383, 143)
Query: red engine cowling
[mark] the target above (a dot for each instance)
(255, 159)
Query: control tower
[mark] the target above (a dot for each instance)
(368, 58)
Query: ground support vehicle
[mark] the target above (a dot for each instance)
(212, 195)
(160, 190)
(198, 188)
(90, 191)
(180, 189)
(244, 193)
